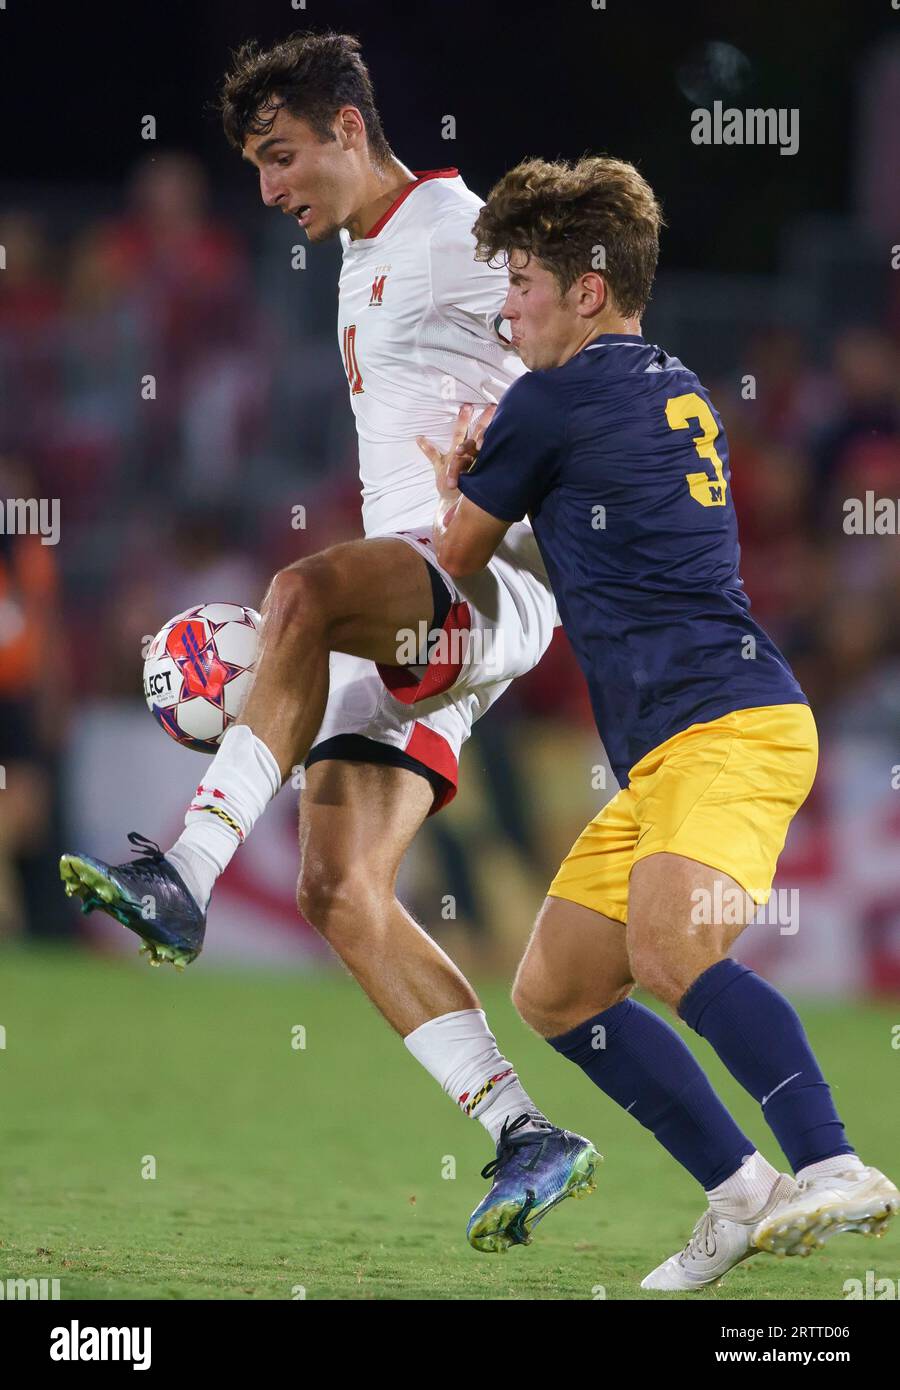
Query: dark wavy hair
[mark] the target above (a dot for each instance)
(312, 76)
(562, 214)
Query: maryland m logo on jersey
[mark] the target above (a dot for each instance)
(381, 272)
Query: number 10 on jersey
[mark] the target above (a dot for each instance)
(351, 366)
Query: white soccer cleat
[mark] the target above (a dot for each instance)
(861, 1200)
(717, 1244)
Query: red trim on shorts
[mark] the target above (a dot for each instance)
(422, 176)
(407, 687)
(434, 752)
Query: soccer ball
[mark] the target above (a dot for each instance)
(198, 671)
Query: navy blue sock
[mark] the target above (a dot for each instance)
(759, 1037)
(644, 1066)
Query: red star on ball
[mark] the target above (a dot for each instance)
(202, 669)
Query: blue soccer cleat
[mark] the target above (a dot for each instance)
(148, 896)
(532, 1173)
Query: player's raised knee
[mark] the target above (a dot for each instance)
(297, 597)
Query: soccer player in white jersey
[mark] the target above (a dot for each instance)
(334, 688)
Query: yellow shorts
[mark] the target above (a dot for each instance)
(723, 793)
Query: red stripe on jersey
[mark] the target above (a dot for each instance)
(421, 177)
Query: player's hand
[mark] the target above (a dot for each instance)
(468, 446)
(463, 450)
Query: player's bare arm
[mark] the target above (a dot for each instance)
(465, 536)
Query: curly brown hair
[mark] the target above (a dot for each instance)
(599, 214)
(312, 76)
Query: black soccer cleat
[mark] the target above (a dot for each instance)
(533, 1172)
(147, 895)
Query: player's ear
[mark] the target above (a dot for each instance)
(593, 294)
(349, 126)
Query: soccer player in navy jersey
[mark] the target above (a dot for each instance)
(615, 451)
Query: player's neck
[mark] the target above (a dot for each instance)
(382, 188)
(605, 323)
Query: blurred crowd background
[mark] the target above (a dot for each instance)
(185, 491)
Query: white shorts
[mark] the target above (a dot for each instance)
(419, 715)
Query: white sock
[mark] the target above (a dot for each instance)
(828, 1167)
(747, 1190)
(241, 780)
(461, 1053)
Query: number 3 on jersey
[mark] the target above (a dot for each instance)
(351, 366)
(680, 410)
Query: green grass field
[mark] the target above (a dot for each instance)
(323, 1167)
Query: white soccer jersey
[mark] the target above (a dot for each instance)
(417, 326)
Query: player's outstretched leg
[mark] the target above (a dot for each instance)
(572, 988)
(354, 597)
(146, 895)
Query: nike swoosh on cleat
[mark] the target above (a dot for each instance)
(533, 1162)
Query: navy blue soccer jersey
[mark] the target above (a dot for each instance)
(621, 461)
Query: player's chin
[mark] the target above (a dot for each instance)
(324, 231)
